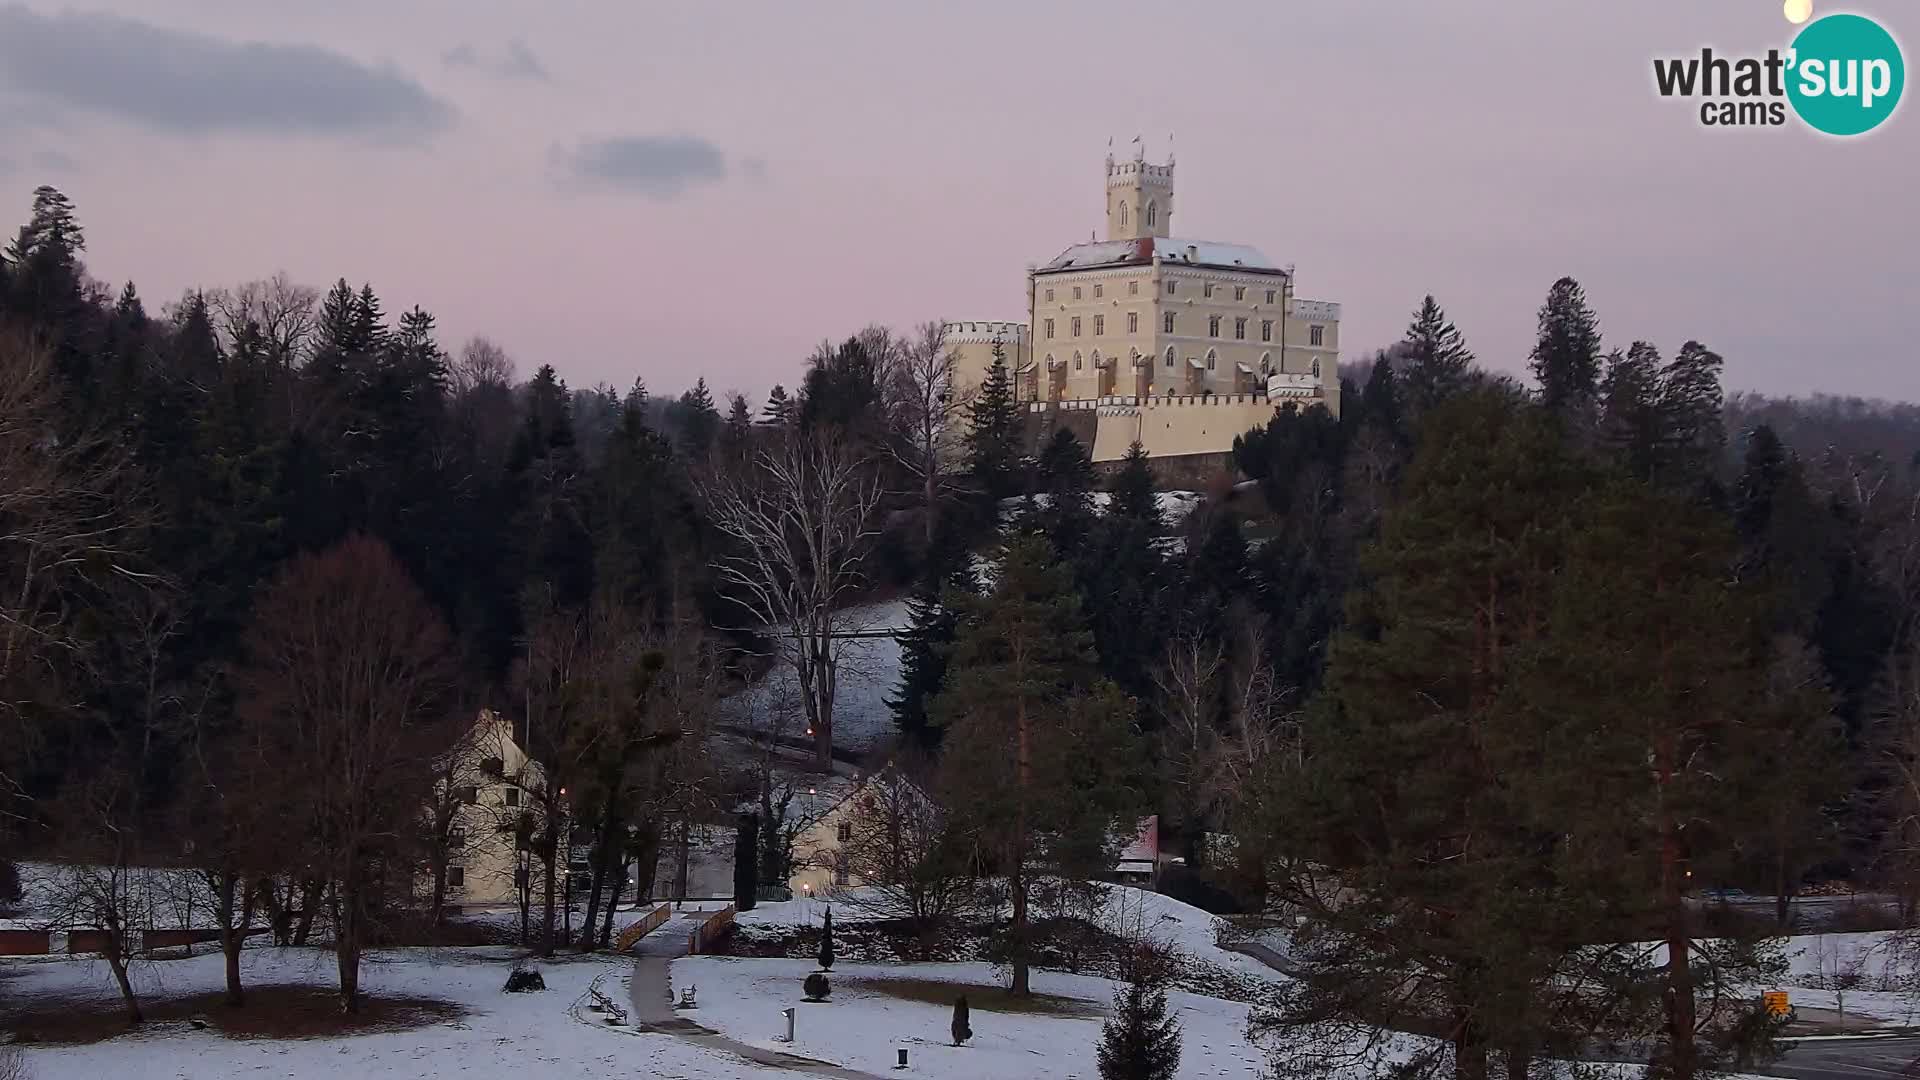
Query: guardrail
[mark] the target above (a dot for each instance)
(715, 928)
(635, 931)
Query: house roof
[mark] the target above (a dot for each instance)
(1170, 249)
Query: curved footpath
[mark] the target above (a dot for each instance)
(651, 988)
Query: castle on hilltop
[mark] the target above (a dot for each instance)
(1180, 344)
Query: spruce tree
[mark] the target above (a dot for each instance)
(826, 941)
(1140, 1040)
(1038, 761)
(1566, 356)
(932, 620)
(993, 433)
(696, 418)
(1132, 491)
(1438, 362)
(779, 410)
(1063, 481)
(737, 432)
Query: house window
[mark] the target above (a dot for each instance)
(1170, 287)
(1099, 325)
(1167, 323)
(513, 796)
(1269, 296)
(1169, 356)
(1133, 288)
(456, 838)
(1099, 291)
(1076, 292)
(844, 833)
(1076, 326)
(1207, 290)
(1213, 326)
(456, 877)
(469, 795)
(1316, 334)
(1211, 357)
(1133, 322)
(1050, 296)
(1266, 329)
(1239, 329)
(1239, 292)
(840, 873)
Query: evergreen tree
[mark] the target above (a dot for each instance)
(1566, 357)
(826, 941)
(779, 410)
(962, 1026)
(696, 419)
(932, 620)
(1438, 362)
(993, 433)
(1132, 491)
(737, 432)
(842, 390)
(1063, 485)
(1379, 403)
(1140, 1040)
(1038, 760)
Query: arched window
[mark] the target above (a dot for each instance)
(1051, 362)
(1169, 356)
(1123, 213)
(1266, 363)
(1153, 215)
(1077, 362)
(1211, 358)
(1316, 367)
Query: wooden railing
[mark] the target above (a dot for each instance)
(715, 928)
(635, 931)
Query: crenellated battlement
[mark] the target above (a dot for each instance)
(985, 332)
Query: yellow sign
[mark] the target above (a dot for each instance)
(1776, 1002)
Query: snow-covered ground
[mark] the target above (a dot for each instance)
(869, 674)
(1174, 506)
(501, 1036)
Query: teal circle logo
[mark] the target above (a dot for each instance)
(1846, 75)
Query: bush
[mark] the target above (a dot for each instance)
(816, 987)
(10, 890)
(522, 980)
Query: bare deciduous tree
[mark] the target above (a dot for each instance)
(282, 311)
(349, 674)
(1189, 680)
(481, 363)
(928, 406)
(799, 521)
(897, 848)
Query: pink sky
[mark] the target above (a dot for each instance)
(804, 169)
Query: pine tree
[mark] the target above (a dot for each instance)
(932, 620)
(1132, 491)
(737, 432)
(696, 419)
(1063, 481)
(1438, 362)
(1140, 1040)
(826, 941)
(1566, 357)
(1038, 760)
(779, 410)
(993, 433)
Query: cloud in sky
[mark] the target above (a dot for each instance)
(518, 62)
(184, 82)
(657, 166)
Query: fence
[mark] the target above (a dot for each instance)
(715, 928)
(634, 932)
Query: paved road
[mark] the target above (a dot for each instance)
(1849, 1059)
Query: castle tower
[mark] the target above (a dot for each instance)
(1139, 197)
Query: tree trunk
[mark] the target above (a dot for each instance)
(1017, 884)
(548, 858)
(613, 901)
(117, 960)
(346, 946)
(1469, 1051)
(233, 931)
(1782, 897)
(1519, 1064)
(309, 903)
(279, 915)
(437, 914)
(1679, 989)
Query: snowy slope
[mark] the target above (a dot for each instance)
(869, 674)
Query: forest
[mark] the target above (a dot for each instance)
(1482, 676)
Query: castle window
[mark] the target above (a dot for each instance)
(1167, 323)
(1213, 326)
(1170, 287)
(1316, 334)
(1123, 213)
(1266, 330)
(1266, 363)
(1078, 363)
(1099, 291)
(1133, 288)
(1316, 367)
(1239, 329)
(1133, 322)
(1169, 355)
(1239, 292)
(1269, 296)
(1099, 325)
(1049, 329)
(1211, 358)
(1050, 296)
(1076, 326)
(1076, 292)
(1152, 215)
(1207, 290)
